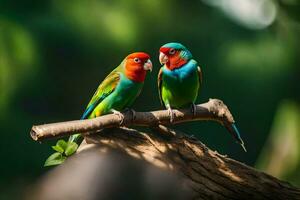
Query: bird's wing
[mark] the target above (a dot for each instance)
(159, 83)
(105, 88)
(199, 74)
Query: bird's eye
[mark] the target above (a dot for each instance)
(172, 51)
(137, 60)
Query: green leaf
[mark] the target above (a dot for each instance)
(71, 148)
(54, 159)
(58, 149)
(55, 155)
(54, 162)
(63, 144)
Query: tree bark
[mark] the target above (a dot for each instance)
(206, 173)
(214, 110)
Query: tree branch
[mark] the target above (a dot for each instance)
(214, 110)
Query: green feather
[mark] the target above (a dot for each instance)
(116, 92)
(179, 87)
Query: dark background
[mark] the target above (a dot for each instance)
(53, 55)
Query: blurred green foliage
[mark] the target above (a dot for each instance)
(280, 156)
(17, 59)
(54, 53)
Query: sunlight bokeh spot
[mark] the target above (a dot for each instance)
(254, 14)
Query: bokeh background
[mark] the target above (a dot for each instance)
(54, 53)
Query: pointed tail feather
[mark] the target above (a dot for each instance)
(233, 130)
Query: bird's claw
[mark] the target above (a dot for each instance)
(133, 112)
(193, 109)
(171, 114)
(120, 115)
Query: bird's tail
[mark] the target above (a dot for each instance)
(233, 130)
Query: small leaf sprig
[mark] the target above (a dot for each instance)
(63, 150)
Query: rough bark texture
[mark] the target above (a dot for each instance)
(208, 174)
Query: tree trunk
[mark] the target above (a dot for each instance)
(209, 174)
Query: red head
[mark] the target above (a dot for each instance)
(174, 55)
(136, 66)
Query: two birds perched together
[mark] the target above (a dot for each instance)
(179, 81)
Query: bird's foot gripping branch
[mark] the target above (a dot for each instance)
(213, 110)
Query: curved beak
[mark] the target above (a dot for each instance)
(163, 58)
(148, 65)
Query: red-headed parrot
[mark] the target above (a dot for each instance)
(180, 79)
(117, 92)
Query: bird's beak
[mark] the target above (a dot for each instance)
(163, 58)
(148, 65)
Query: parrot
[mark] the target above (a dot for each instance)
(179, 81)
(116, 93)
